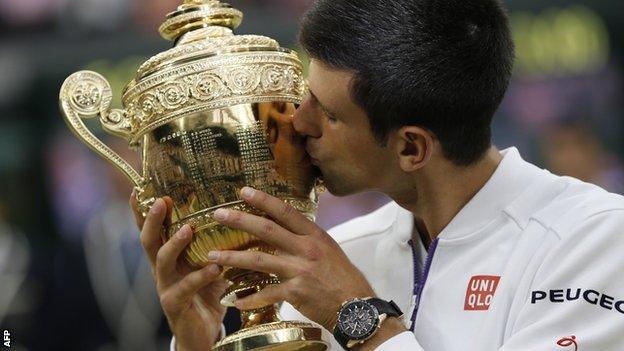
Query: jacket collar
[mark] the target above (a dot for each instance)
(510, 179)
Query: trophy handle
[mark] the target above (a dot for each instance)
(85, 95)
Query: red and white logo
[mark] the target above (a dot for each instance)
(568, 342)
(481, 289)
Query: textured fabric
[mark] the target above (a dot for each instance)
(172, 345)
(403, 341)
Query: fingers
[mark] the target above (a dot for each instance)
(283, 213)
(263, 228)
(183, 292)
(152, 228)
(134, 205)
(138, 216)
(167, 257)
(253, 260)
(269, 295)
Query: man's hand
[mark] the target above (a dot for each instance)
(316, 275)
(190, 299)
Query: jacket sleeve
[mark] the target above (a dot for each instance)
(403, 341)
(576, 301)
(172, 345)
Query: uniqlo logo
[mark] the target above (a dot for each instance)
(568, 342)
(481, 289)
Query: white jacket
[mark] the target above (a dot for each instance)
(534, 262)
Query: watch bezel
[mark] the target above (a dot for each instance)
(342, 315)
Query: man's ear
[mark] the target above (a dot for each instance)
(414, 147)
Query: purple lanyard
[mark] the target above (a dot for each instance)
(420, 279)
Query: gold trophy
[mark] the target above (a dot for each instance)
(209, 116)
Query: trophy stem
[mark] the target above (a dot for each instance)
(263, 315)
(263, 328)
(244, 283)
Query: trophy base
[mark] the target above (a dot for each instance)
(276, 336)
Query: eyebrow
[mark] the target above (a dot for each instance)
(325, 109)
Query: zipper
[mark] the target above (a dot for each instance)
(421, 279)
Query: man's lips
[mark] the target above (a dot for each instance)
(313, 159)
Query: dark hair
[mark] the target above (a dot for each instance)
(443, 65)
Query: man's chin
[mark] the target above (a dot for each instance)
(333, 183)
(337, 189)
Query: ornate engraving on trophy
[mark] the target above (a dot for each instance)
(86, 96)
(256, 157)
(205, 160)
(218, 162)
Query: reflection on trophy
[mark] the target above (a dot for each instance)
(209, 116)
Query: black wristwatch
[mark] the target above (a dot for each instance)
(359, 319)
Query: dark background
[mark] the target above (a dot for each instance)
(72, 273)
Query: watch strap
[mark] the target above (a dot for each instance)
(389, 308)
(341, 337)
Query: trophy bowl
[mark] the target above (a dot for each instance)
(209, 116)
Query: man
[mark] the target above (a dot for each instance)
(480, 250)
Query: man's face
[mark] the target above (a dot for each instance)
(339, 137)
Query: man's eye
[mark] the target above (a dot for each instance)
(331, 118)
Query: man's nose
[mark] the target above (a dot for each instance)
(305, 120)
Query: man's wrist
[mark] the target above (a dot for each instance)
(389, 329)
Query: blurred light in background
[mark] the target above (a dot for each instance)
(560, 41)
(21, 13)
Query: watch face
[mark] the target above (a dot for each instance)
(358, 319)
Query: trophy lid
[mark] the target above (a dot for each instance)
(209, 67)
